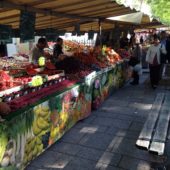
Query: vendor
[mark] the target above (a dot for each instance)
(38, 50)
(58, 49)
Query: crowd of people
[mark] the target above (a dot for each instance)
(157, 55)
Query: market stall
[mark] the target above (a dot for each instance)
(28, 131)
(38, 105)
(41, 112)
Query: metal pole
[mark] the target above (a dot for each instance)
(100, 32)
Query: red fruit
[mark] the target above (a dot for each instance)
(31, 71)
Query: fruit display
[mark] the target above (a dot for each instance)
(41, 122)
(37, 130)
(74, 68)
(71, 65)
(5, 80)
(61, 109)
(67, 109)
(79, 75)
(13, 136)
(25, 139)
(74, 47)
(9, 62)
(49, 100)
(102, 88)
(123, 53)
(34, 94)
(97, 58)
(119, 76)
(33, 148)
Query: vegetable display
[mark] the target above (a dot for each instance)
(49, 103)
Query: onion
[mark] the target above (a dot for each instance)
(5, 161)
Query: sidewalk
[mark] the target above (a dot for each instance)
(106, 140)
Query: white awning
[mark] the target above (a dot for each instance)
(132, 18)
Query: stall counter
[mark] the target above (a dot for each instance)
(28, 132)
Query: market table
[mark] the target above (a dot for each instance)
(107, 81)
(29, 131)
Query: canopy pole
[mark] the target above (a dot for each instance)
(100, 32)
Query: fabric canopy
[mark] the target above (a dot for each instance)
(158, 9)
(133, 18)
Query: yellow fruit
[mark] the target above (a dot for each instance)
(62, 127)
(45, 109)
(37, 109)
(38, 141)
(27, 149)
(32, 144)
(42, 124)
(55, 132)
(40, 148)
(47, 117)
(43, 113)
(64, 117)
(36, 129)
(30, 156)
(35, 151)
(29, 140)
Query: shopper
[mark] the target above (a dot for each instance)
(58, 49)
(153, 58)
(141, 40)
(38, 50)
(166, 42)
(123, 41)
(135, 63)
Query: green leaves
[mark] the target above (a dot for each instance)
(159, 8)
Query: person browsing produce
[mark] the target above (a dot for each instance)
(58, 49)
(38, 50)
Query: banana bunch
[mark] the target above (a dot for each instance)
(33, 147)
(41, 123)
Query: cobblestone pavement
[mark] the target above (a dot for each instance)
(106, 139)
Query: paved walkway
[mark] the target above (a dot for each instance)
(106, 140)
